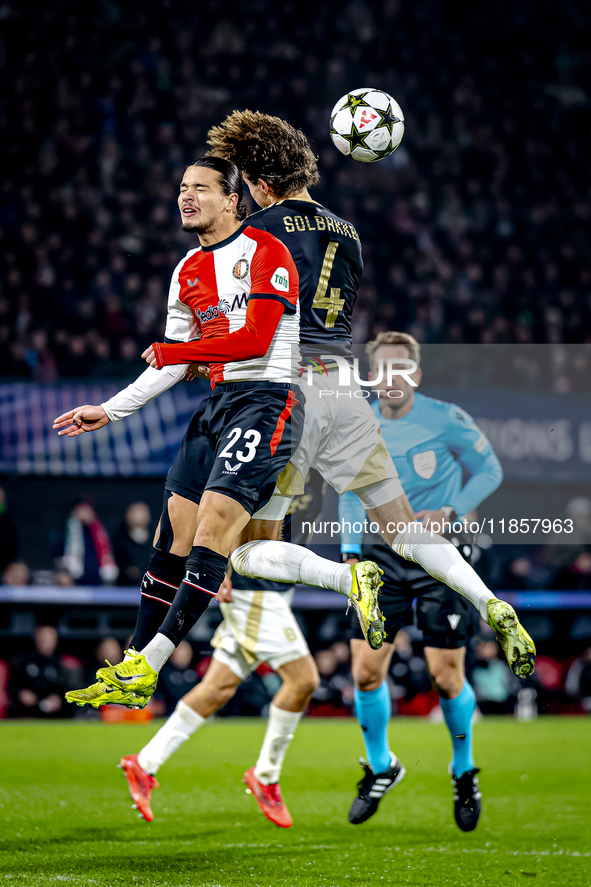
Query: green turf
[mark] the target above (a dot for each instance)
(65, 813)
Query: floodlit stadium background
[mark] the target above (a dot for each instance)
(475, 231)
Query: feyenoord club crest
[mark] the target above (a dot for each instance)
(240, 269)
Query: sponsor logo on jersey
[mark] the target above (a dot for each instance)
(223, 307)
(241, 269)
(425, 464)
(280, 280)
(213, 311)
(210, 313)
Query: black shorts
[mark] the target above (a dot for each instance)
(238, 442)
(445, 618)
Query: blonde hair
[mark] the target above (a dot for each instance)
(391, 337)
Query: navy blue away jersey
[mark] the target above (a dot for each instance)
(327, 254)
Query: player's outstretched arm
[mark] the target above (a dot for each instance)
(250, 341)
(81, 419)
(146, 387)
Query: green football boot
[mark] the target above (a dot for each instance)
(517, 645)
(100, 694)
(364, 593)
(133, 675)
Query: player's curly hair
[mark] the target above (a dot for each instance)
(267, 148)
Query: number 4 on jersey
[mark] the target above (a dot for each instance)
(333, 302)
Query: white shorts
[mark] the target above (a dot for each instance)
(258, 627)
(341, 439)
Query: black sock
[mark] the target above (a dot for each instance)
(159, 586)
(205, 574)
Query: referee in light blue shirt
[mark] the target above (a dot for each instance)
(432, 443)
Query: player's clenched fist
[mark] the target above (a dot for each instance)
(81, 419)
(151, 358)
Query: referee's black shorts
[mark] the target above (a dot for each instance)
(238, 442)
(445, 618)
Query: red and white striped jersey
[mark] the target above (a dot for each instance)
(211, 288)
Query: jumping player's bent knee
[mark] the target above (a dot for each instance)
(240, 557)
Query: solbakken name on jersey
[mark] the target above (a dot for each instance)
(319, 223)
(327, 254)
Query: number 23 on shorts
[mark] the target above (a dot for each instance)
(251, 438)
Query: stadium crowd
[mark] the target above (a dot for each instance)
(35, 671)
(476, 230)
(84, 553)
(33, 682)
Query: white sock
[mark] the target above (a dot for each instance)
(280, 729)
(443, 561)
(180, 726)
(129, 654)
(284, 562)
(157, 651)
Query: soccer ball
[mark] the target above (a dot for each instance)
(366, 124)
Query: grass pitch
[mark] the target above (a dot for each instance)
(65, 813)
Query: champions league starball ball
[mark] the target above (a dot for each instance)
(366, 124)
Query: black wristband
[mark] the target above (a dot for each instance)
(346, 555)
